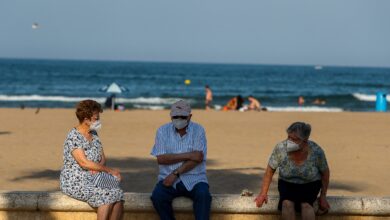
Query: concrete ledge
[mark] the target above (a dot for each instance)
(222, 204)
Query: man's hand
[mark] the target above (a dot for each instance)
(169, 180)
(197, 156)
(260, 199)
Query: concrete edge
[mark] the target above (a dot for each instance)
(222, 203)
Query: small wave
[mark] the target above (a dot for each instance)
(138, 100)
(47, 98)
(151, 100)
(367, 97)
(149, 107)
(303, 109)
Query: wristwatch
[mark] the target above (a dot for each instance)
(176, 173)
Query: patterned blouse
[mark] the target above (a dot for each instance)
(309, 171)
(76, 182)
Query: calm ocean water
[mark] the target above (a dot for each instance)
(58, 84)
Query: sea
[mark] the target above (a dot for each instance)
(30, 83)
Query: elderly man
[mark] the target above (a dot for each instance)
(181, 148)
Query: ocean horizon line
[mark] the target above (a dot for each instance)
(190, 62)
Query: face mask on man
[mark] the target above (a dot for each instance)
(292, 146)
(180, 123)
(97, 125)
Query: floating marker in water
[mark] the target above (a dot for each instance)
(187, 82)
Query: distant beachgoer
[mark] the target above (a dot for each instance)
(254, 104)
(181, 151)
(303, 173)
(319, 101)
(301, 100)
(231, 104)
(120, 107)
(234, 104)
(84, 170)
(209, 97)
(22, 106)
(110, 102)
(240, 102)
(37, 111)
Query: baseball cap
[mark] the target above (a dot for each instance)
(180, 108)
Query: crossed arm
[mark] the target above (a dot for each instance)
(190, 159)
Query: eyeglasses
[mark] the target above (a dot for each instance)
(179, 117)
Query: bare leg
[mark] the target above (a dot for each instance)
(117, 211)
(207, 105)
(288, 211)
(307, 212)
(104, 211)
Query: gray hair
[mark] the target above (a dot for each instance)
(301, 129)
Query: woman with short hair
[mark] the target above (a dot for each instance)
(303, 173)
(84, 175)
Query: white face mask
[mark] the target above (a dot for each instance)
(97, 125)
(292, 146)
(180, 123)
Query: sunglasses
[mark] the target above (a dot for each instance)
(179, 117)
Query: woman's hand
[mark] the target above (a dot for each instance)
(323, 204)
(260, 199)
(102, 162)
(116, 173)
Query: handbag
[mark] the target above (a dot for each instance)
(105, 180)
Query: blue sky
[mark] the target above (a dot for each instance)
(331, 32)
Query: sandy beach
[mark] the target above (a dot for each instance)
(357, 146)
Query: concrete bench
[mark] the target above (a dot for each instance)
(55, 205)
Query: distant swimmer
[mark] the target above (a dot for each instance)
(301, 100)
(209, 97)
(319, 101)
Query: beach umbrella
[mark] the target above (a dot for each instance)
(113, 88)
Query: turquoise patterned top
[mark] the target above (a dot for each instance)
(309, 171)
